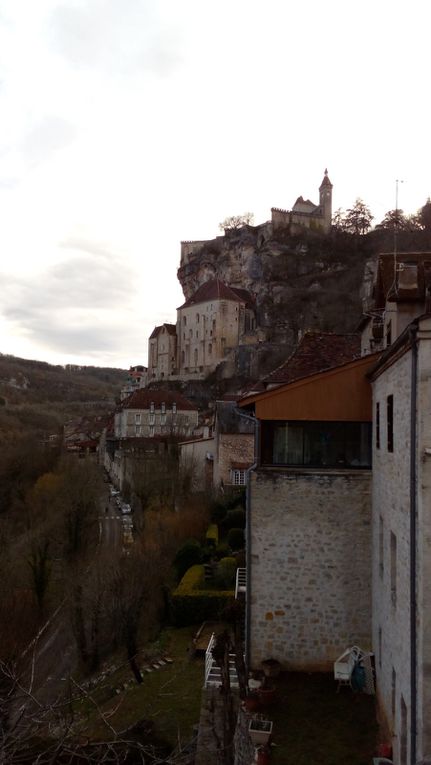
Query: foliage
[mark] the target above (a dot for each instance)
(356, 220)
(191, 605)
(212, 535)
(234, 519)
(224, 577)
(235, 539)
(222, 550)
(236, 221)
(188, 555)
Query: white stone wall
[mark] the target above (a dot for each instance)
(310, 565)
(391, 503)
(136, 423)
(204, 333)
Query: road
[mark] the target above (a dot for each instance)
(52, 656)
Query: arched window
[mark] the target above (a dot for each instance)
(183, 358)
(196, 357)
(210, 349)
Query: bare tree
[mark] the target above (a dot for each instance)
(236, 221)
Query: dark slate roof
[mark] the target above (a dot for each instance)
(142, 398)
(214, 289)
(326, 181)
(316, 352)
(170, 328)
(229, 421)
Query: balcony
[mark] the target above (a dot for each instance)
(213, 671)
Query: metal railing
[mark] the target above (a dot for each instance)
(213, 671)
(241, 581)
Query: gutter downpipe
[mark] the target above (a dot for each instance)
(413, 554)
(248, 537)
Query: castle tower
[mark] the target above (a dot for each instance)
(325, 201)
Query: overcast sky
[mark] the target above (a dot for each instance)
(129, 125)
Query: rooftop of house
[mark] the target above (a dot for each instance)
(143, 398)
(316, 352)
(170, 329)
(229, 420)
(404, 277)
(215, 289)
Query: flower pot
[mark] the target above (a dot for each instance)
(259, 731)
(266, 696)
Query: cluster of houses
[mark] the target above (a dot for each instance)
(335, 449)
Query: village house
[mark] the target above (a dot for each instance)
(221, 461)
(162, 353)
(213, 320)
(309, 511)
(398, 318)
(150, 413)
(137, 377)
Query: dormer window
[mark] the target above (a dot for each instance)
(174, 408)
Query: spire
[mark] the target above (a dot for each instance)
(326, 181)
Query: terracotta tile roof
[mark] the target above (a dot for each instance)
(316, 352)
(141, 399)
(217, 290)
(405, 282)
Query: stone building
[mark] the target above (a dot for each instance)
(213, 320)
(162, 353)
(309, 519)
(401, 498)
(306, 214)
(137, 377)
(148, 413)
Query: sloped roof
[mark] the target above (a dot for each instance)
(316, 352)
(326, 181)
(215, 289)
(170, 328)
(143, 398)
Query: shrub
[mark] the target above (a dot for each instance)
(218, 512)
(212, 535)
(235, 519)
(222, 550)
(235, 539)
(188, 555)
(191, 605)
(225, 574)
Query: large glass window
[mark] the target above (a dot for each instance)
(317, 444)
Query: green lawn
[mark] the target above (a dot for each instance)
(170, 696)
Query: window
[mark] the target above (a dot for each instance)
(174, 408)
(151, 431)
(316, 444)
(196, 357)
(388, 334)
(185, 321)
(137, 419)
(393, 570)
(390, 422)
(403, 739)
(138, 430)
(152, 418)
(152, 406)
(210, 349)
(197, 318)
(377, 425)
(238, 477)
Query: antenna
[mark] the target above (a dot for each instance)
(397, 182)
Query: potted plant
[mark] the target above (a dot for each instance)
(259, 730)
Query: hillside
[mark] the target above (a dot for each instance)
(36, 382)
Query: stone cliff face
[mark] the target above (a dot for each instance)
(300, 282)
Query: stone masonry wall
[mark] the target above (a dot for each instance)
(310, 566)
(233, 447)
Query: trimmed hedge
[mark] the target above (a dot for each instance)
(191, 605)
(212, 535)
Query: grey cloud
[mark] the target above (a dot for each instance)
(82, 305)
(116, 37)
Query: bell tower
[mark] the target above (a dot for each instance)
(325, 201)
